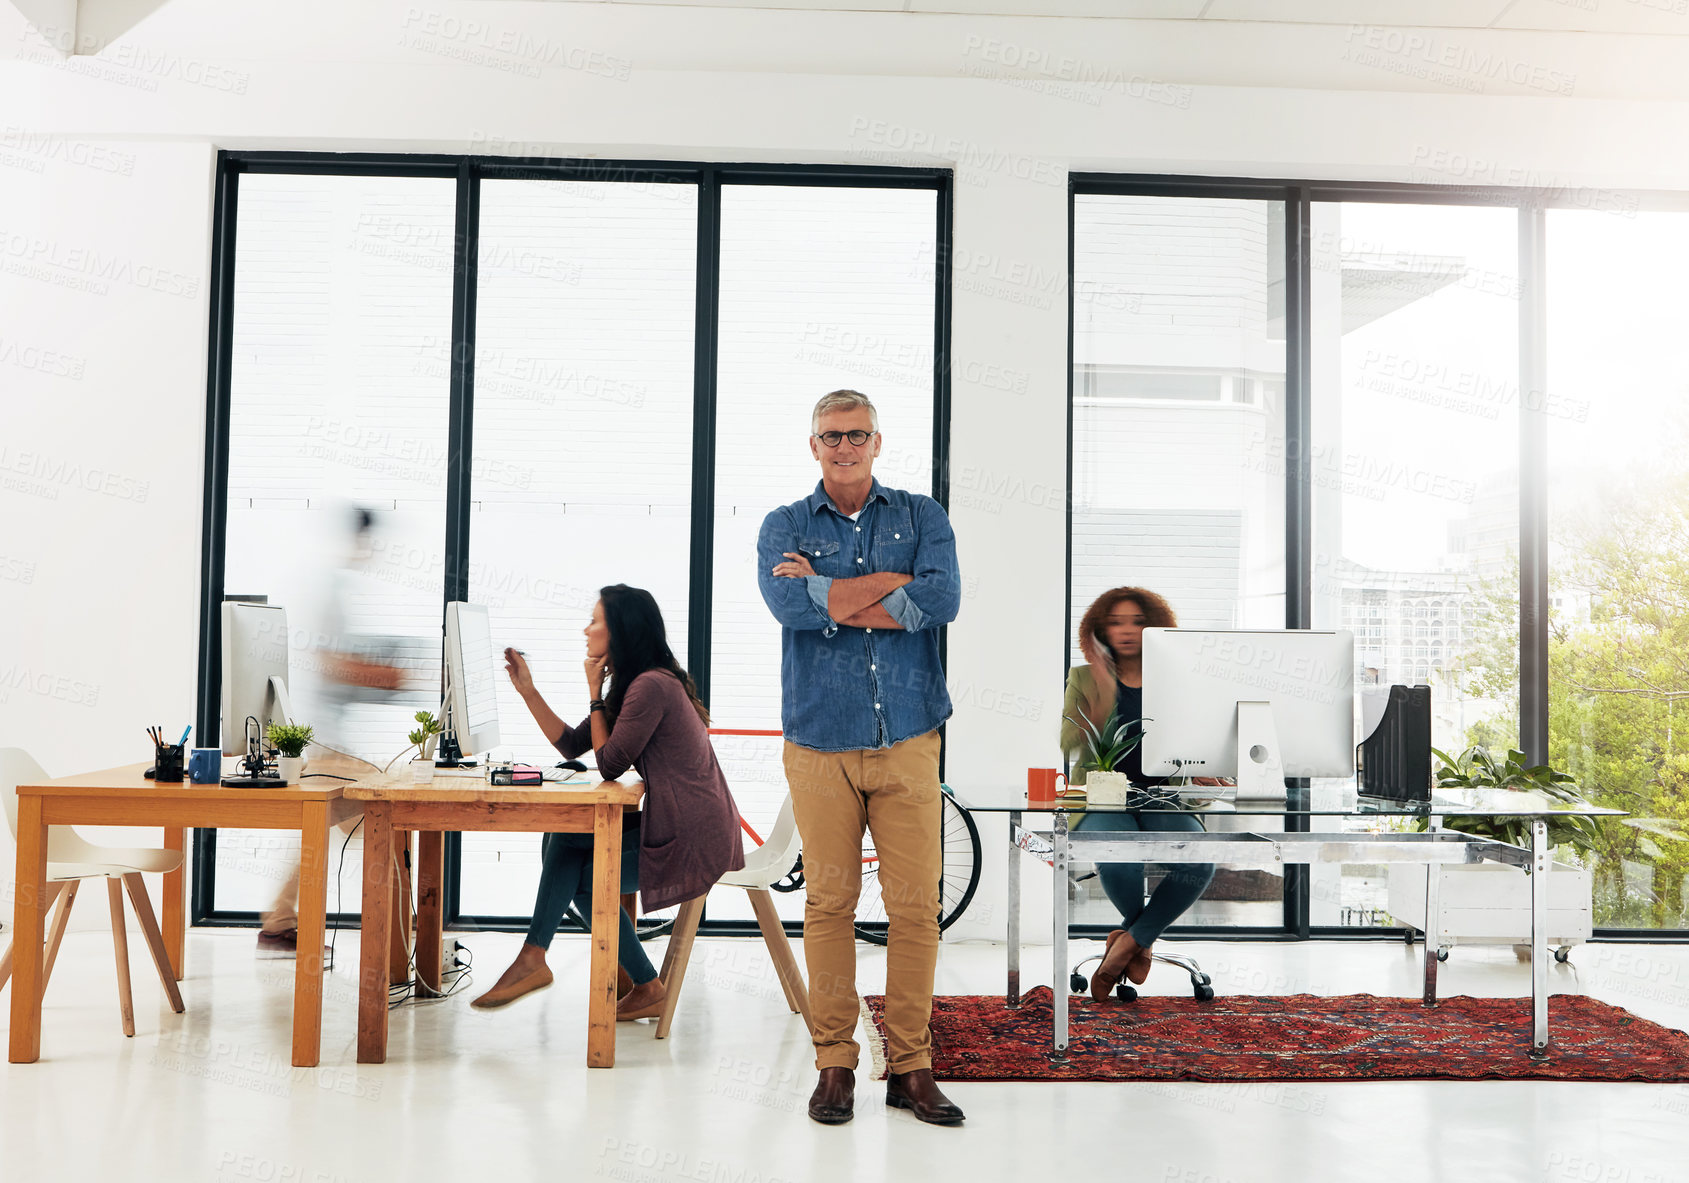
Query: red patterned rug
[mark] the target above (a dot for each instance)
(1299, 1037)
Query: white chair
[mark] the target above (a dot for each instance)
(764, 866)
(69, 861)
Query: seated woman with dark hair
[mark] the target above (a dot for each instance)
(687, 833)
(1111, 684)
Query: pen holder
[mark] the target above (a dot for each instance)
(167, 763)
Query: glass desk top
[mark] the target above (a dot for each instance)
(1443, 803)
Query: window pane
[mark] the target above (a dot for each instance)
(1178, 438)
(342, 284)
(1415, 476)
(582, 474)
(1618, 501)
(821, 289)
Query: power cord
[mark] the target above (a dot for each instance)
(400, 993)
(334, 925)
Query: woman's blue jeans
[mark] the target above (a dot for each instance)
(1124, 882)
(565, 875)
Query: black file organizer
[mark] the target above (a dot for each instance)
(1394, 762)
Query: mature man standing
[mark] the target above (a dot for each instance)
(860, 578)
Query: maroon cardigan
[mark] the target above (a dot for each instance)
(689, 827)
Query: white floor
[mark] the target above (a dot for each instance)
(505, 1096)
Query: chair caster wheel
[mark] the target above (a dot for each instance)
(1204, 993)
(1201, 980)
(1077, 983)
(1562, 955)
(1125, 992)
(1442, 954)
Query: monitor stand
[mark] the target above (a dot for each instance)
(1260, 771)
(449, 755)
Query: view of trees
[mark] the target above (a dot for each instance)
(1618, 679)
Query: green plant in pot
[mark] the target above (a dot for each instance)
(289, 740)
(1106, 749)
(1478, 768)
(425, 735)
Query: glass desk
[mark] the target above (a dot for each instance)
(1303, 835)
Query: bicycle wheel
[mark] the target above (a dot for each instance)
(958, 842)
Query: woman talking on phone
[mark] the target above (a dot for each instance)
(1110, 684)
(686, 835)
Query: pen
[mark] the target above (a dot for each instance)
(184, 738)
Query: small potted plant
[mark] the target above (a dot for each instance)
(1489, 903)
(423, 737)
(1106, 748)
(289, 740)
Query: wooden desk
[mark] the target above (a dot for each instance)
(123, 797)
(392, 803)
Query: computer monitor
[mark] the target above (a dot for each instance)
(254, 671)
(1256, 705)
(470, 710)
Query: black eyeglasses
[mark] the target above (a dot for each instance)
(833, 438)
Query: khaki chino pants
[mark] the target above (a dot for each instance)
(893, 793)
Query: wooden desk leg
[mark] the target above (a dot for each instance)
(308, 961)
(30, 889)
(175, 913)
(373, 944)
(399, 944)
(606, 917)
(430, 864)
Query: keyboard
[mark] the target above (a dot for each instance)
(558, 776)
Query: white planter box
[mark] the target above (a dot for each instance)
(1488, 903)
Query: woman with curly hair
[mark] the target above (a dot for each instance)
(1110, 687)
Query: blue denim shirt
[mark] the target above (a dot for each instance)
(846, 689)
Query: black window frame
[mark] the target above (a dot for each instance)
(468, 171)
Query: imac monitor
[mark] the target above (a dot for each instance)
(471, 698)
(254, 672)
(1256, 705)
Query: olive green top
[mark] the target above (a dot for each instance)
(1080, 683)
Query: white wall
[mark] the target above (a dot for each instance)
(106, 178)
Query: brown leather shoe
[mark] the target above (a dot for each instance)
(918, 1092)
(834, 1097)
(505, 995)
(1109, 969)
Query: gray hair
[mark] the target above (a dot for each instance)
(842, 400)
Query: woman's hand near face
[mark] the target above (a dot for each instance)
(1100, 660)
(595, 670)
(520, 677)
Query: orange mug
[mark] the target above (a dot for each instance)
(1041, 786)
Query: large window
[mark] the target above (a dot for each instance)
(1415, 482)
(341, 284)
(1618, 500)
(583, 445)
(821, 289)
(1478, 389)
(1178, 436)
(569, 370)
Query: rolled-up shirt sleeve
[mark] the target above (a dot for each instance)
(903, 610)
(935, 591)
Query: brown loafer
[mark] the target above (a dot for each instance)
(1103, 979)
(505, 995)
(834, 1099)
(918, 1092)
